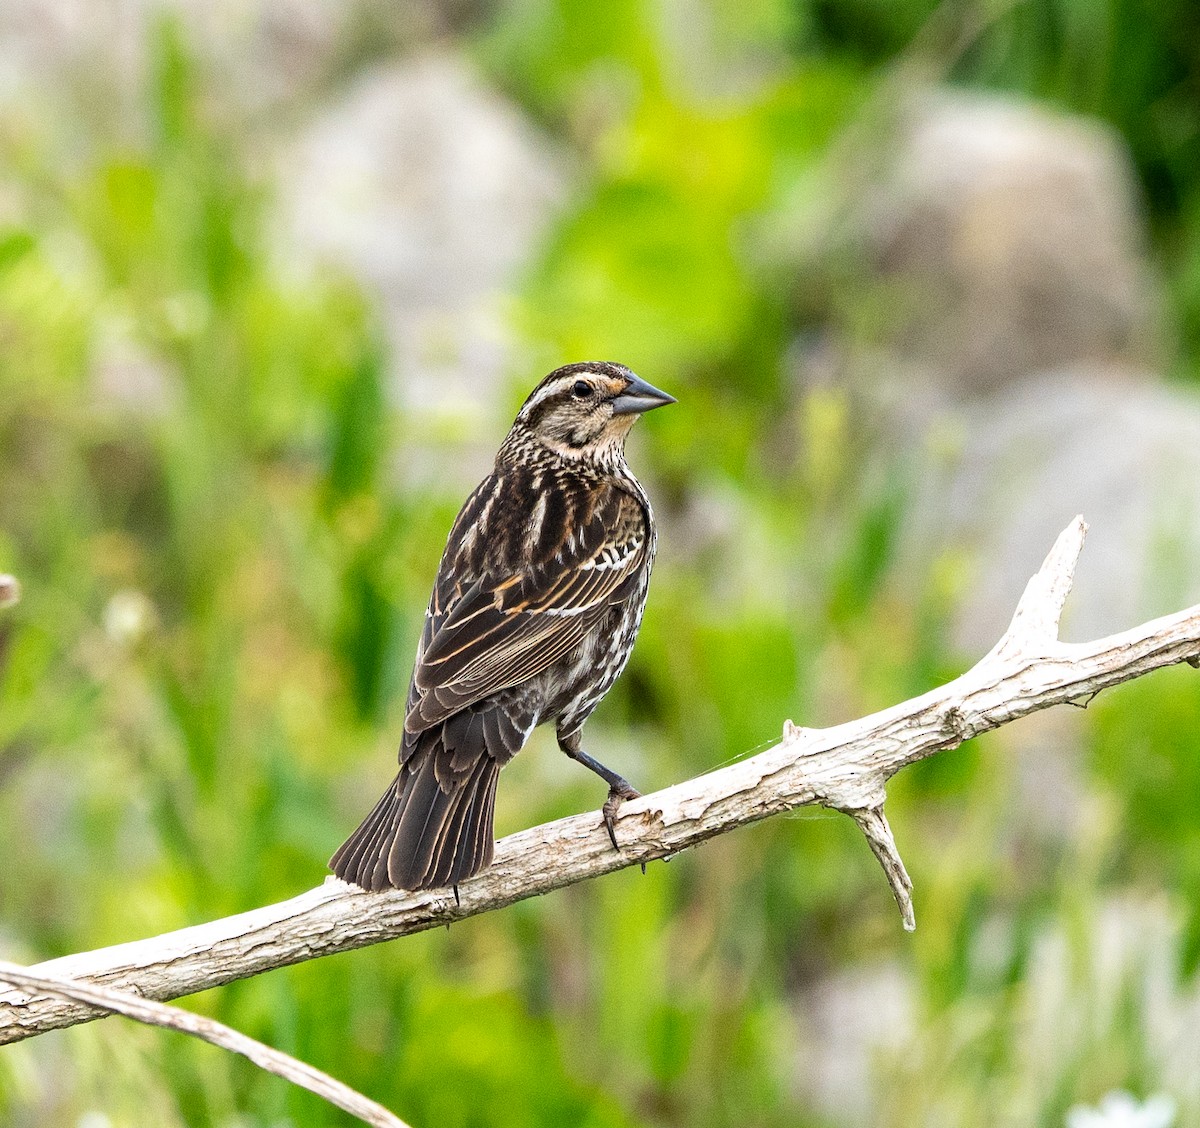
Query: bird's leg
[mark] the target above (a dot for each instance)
(619, 788)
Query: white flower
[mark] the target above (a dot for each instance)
(94, 1120)
(127, 617)
(1119, 1109)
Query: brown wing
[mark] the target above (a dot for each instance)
(506, 628)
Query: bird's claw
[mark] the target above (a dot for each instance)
(616, 796)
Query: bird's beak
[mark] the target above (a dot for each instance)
(639, 397)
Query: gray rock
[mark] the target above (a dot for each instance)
(264, 51)
(434, 191)
(1008, 240)
(1001, 477)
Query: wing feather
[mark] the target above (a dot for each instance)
(505, 629)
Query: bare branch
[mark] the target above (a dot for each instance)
(845, 768)
(10, 591)
(874, 825)
(1035, 621)
(209, 1030)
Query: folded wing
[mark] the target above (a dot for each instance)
(505, 629)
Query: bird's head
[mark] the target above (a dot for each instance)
(585, 410)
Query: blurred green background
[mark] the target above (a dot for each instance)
(226, 538)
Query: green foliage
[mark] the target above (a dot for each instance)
(224, 579)
(1145, 758)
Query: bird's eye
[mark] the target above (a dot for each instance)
(581, 389)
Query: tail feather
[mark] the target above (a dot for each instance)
(424, 833)
(466, 842)
(478, 842)
(413, 856)
(362, 858)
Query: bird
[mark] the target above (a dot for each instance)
(537, 601)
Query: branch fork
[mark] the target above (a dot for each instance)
(1032, 635)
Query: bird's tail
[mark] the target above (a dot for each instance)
(421, 835)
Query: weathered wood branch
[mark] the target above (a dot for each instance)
(845, 768)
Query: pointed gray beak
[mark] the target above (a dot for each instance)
(639, 397)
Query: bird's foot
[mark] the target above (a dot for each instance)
(617, 794)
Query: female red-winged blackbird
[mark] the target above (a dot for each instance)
(537, 602)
